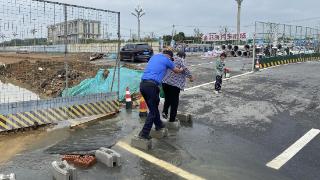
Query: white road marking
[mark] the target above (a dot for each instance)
(163, 164)
(200, 64)
(205, 84)
(286, 155)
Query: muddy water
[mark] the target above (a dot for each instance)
(12, 144)
(11, 93)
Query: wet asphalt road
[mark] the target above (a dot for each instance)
(233, 135)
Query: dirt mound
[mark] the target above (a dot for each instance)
(47, 78)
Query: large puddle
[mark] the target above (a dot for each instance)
(11, 93)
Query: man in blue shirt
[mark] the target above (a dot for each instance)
(149, 88)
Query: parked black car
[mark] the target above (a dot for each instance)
(136, 52)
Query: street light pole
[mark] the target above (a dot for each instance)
(138, 14)
(239, 2)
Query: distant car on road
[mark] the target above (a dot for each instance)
(136, 52)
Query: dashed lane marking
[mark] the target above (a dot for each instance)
(163, 164)
(286, 155)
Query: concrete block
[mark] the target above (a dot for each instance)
(159, 134)
(11, 176)
(184, 117)
(143, 144)
(63, 171)
(173, 125)
(108, 157)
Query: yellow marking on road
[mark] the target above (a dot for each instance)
(25, 118)
(35, 118)
(163, 164)
(8, 121)
(18, 120)
(42, 117)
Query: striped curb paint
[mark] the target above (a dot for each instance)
(48, 116)
(270, 63)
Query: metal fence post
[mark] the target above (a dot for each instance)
(118, 59)
(66, 42)
(254, 46)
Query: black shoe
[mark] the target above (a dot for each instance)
(164, 115)
(159, 129)
(144, 137)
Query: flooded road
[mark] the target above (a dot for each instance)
(233, 134)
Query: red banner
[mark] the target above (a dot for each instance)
(224, 37)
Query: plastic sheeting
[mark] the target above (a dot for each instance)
(99, 84)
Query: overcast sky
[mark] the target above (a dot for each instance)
(208, 15)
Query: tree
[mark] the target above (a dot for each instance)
(197, 37)
(179, 37)
(167, 38)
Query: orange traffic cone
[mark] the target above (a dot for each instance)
(143, 110)
(128, 99)
(257, 66)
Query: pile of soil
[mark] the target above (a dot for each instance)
(47, 78)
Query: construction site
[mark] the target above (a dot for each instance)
(71, 106)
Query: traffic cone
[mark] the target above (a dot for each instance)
(257, 66)
(143, 110)
(128, 99)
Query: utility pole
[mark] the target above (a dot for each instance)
(239, 2)
(173, 33)
(15, 39)
(138, 14)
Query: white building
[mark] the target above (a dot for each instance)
(79, 30)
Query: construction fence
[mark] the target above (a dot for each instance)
(26, 114)
(280, 43)
(45, 47)
(31, 26)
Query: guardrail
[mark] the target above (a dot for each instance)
(279, 60)
(14, 116)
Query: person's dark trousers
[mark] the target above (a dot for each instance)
(171, 100)
(150, 93)
(218, 83)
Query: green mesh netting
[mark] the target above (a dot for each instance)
(99, 84)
